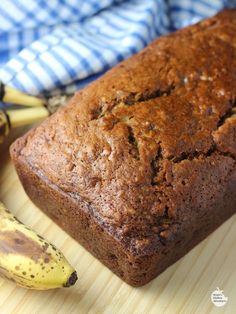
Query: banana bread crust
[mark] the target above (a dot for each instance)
(140, 165)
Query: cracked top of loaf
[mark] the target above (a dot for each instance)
(152, 139)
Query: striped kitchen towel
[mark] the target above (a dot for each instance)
(49, 47)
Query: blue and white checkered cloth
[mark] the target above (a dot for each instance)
(47, 47)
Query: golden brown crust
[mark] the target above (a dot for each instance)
(150, 147)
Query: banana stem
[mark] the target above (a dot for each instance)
(16, 118)
(26, 116)
(14, 96)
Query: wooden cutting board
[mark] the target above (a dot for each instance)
(185, 287)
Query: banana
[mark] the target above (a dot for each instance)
(28, 259)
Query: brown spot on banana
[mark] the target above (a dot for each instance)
(15, 242)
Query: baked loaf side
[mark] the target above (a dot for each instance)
(140, 165)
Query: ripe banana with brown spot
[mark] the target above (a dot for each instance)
(28, 259)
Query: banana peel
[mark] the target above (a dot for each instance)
(28, 259)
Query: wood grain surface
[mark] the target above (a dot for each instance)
(185, 287)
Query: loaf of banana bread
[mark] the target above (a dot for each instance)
(139, 167)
